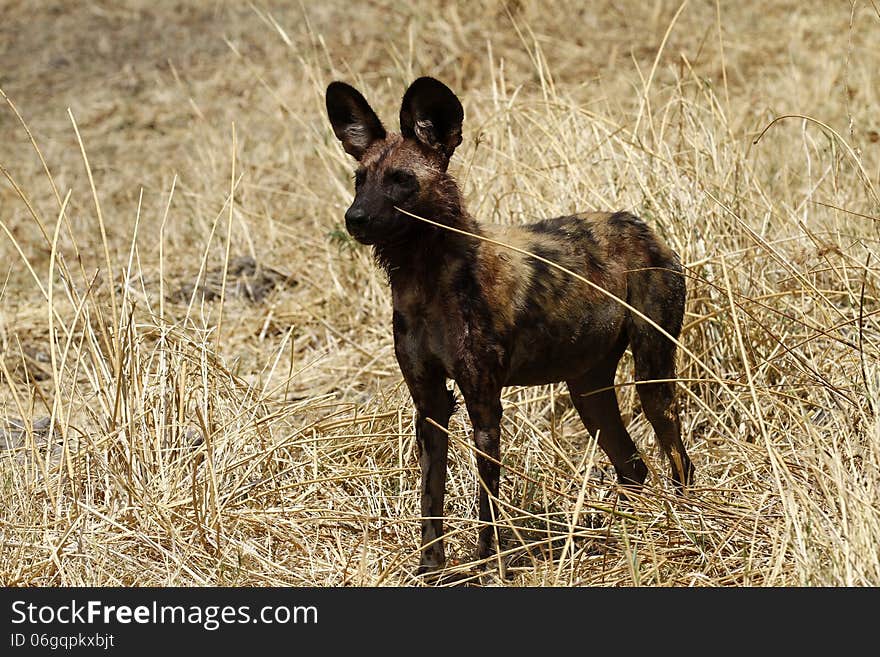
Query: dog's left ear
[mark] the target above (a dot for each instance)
(433, 115)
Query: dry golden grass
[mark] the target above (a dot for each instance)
(176, 414)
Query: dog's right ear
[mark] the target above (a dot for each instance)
(354, 121)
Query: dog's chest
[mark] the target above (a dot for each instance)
(429, 327)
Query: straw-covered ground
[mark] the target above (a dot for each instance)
(197, 382)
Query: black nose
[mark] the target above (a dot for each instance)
(355, 218)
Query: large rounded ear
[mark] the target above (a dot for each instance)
(431, 113)
(354, 121)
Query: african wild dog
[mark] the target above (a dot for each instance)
(488, 317)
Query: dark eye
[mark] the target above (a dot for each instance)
(359, 176)
(402, 178)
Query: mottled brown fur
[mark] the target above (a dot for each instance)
(488, 316)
